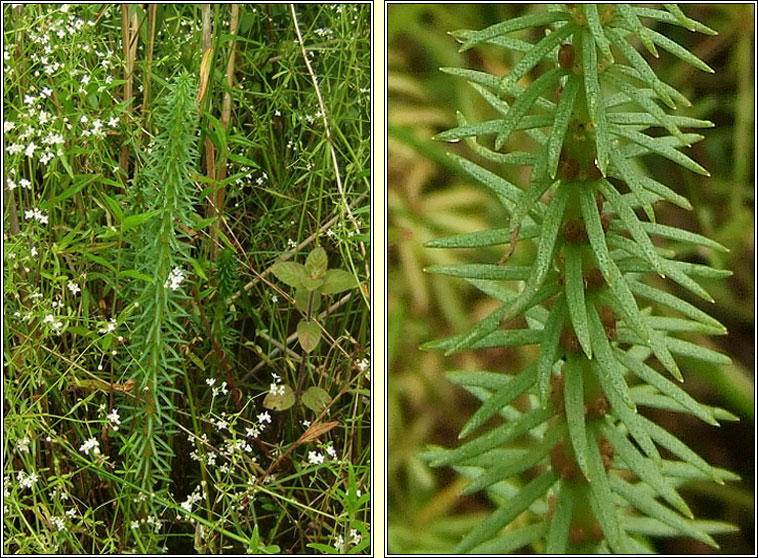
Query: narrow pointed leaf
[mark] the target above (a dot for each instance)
(645, 469)
(483, 271)
(549, 347)
(595, 104)
(495, 437)
(596, 29)
(507, 469)
(601, 499)
(560, 125)
(573, 397)
(515, 24)
(536, 54)
(626, 12)
(633, 224)
(650, 507)
(687, 22)
(507, 512)
(667, 299)
(524, 102)
(650, 376)
(557, 535)
(504, 396)
(575, 296)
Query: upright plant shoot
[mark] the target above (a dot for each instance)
(597, 481)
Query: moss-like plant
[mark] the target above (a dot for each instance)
(574, 460)
(162, 262)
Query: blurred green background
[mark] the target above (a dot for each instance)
(428, 198)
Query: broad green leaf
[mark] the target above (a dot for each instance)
(524, 102)
(496, 437)
(290, 273)
(277, 402)
(118, 213)
(136, 220)
(537, 54)
(515, 24)
(650, 376)
(561, 122)
(338, 280)
(308, 334)
(645, 469)
(573, 398)
(133, 274)
(316, 262)
(596, 29)
(646, 504)
(507, 469)
(315, 398)
(83, 180)
(549, 347)
(507, 512)
(502, 397)
(601, 501)
(577, 308)
(557, 535)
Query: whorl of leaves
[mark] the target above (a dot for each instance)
(593, 109)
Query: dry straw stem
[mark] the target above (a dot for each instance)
(328, 136)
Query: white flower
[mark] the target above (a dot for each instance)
(22, 445)
(175, 279)
(114, 418)
(274, 299)
(264, 417)
(91, 445)
(74, 288)
(363, 365)
(331, 451)
(315, 457)
(58, 522)
(355, 536)
(113, 122)
(29, 151)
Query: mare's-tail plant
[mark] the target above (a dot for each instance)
(162, 260)
(575, 467)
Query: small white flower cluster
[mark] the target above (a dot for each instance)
(58, 522)
(261, 179)
(196, 496)
(74, 288)
(22, 445)
(50, 319)
(26, 481)
(339, 542)
(317, 458)
(276, 389)
(291, 244)
(114, 418)
(90, 447)
(35, 214)
(109, 327)
(175, 279)
(216, 390)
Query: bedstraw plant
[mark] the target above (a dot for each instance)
(574, 467)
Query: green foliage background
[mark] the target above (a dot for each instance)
(429, 198)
